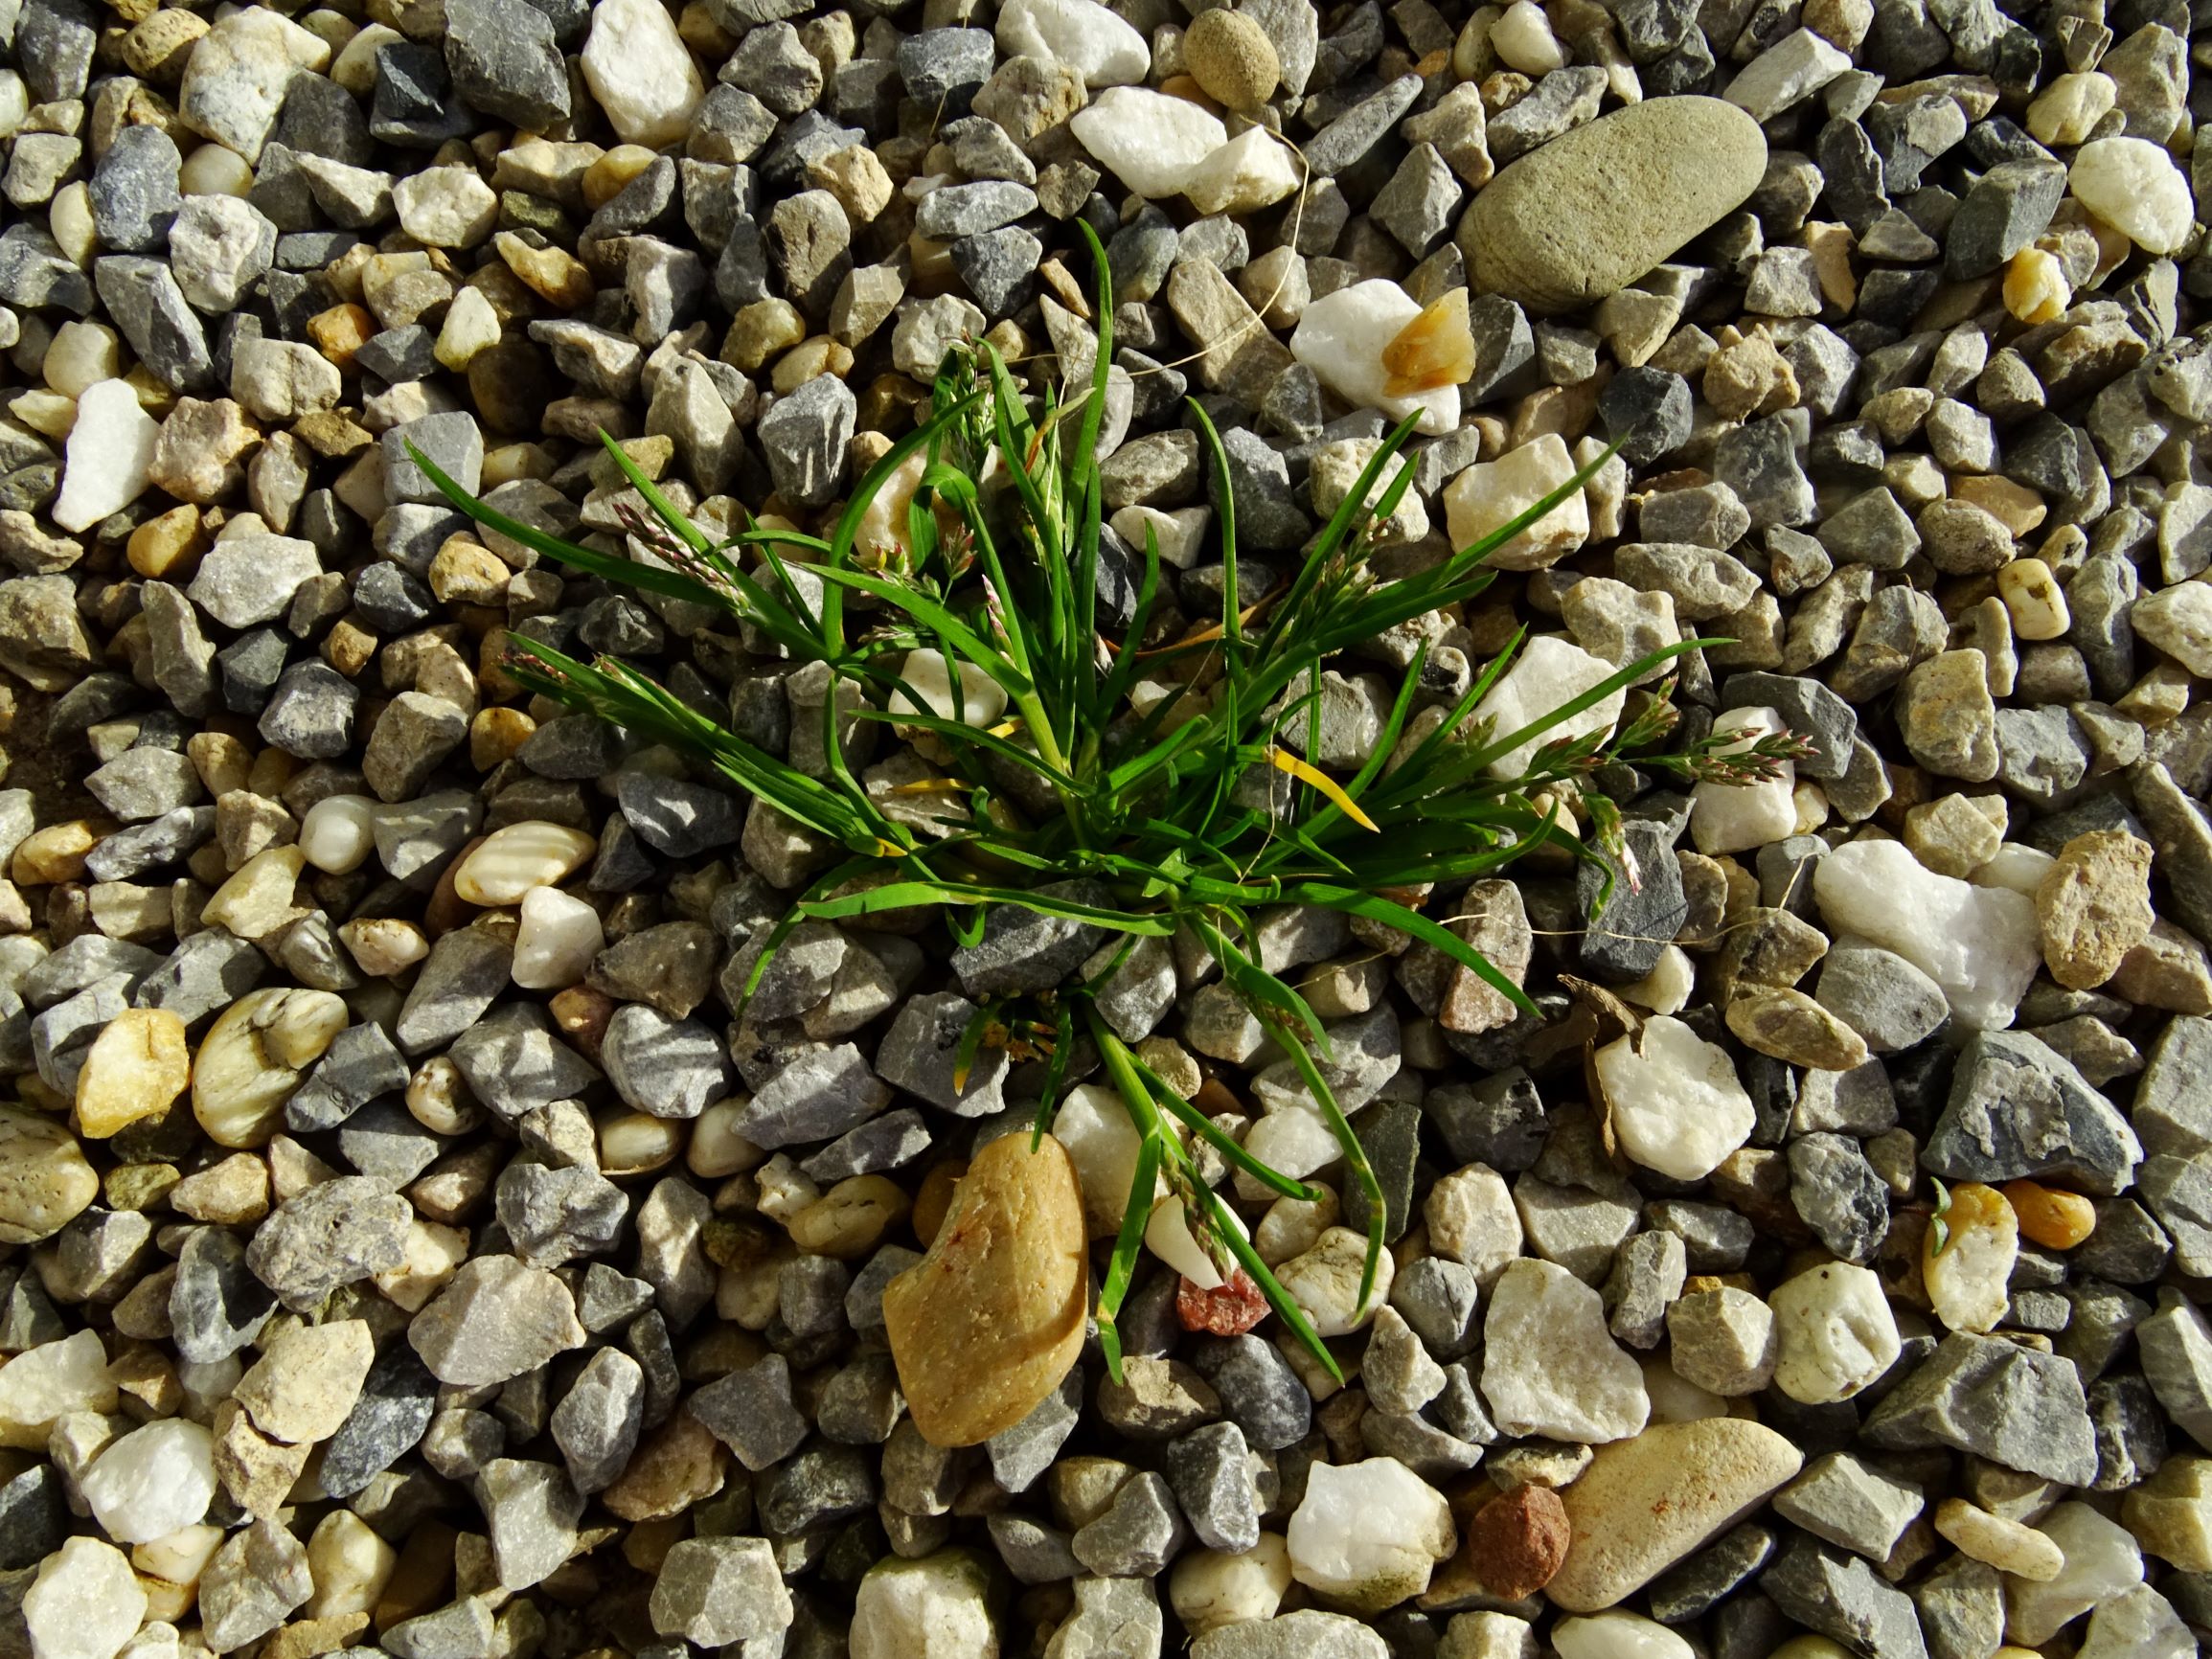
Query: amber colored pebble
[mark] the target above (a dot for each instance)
(2056, 1221)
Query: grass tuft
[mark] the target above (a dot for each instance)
(1186, 804)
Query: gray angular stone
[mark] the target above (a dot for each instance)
(553, 1215)
(2009, 1404)
(817, 1096)
(1210, 1470)
(2175, 1344)
(919, 1055)
(334, 1234)
(217, 1304)
(1137, 1536)
(670, 1068)
(134, 191)
(1019, 1455)
(252, 1585)
(397, 1400)
(361, 1064)
(514, 1063)
(151, 313)
(465, 972)
(1838, 1193)
(1844, 1600)
(750, 1411)
(675, 816)
(1850, 1504)
(2016, 1111)
(1260, 1392)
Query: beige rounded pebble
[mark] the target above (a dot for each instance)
(2032, 594)
(138, 1064)
(851, 1218)
(1648, 1502)
(1968, 1275)
(44, 1179)
(2004, 1544)
(1230, 55)
(2036, 286)
(254, 1056)
(987, 1323)
(212, 170)
(383, 945)
(258, 899)
(508, 863)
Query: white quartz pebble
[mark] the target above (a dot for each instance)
(1367, 1536)
(1341, 337)
(1550, 1366)
(555, 939)
(1081, 34)
(641, 71)
(152, 1481)
(1547, 675)
(929, 677)
(1739, 817)
(1618, 1634)
(1153, 143)
(2134, 185)
(1981, 944)
(339, 833)
(1676, 1105)
(85, 1602)
(110, 451)
(510, 862)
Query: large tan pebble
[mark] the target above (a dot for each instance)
(1231, 56)
(253, 1057)
(1646, 1503)
(510, 862)
(1588, 214)
(987, 1323)
(44, 1179)
(137, 1065)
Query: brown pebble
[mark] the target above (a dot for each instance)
(1517, 1541)
(989, 1321)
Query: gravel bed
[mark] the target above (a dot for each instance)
(405, 1248)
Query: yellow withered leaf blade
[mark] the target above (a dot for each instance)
(1285, 762)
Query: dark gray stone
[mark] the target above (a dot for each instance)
(2010, 1404)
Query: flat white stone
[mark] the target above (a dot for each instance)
(1738, 817)
(1833, 1331)
(1983, 946)
(982, 699)
(1251, 172)
(109, 454)
(1548, 673)
(339, 833)
(641, 71)
(1153, 143)
(1167, 1235)
(152, 1481)
(1492, 494)
(1081, 34)
(2103, 1561)
(1341, 337)
(556, 937)
(85, 1602)
(1676, 1105)
(1364, 1528)
(1618, 1634)
(2134, 185)
(1549, 1365)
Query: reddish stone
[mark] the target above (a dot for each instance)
(1517, 1541)
(1229, 1311)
